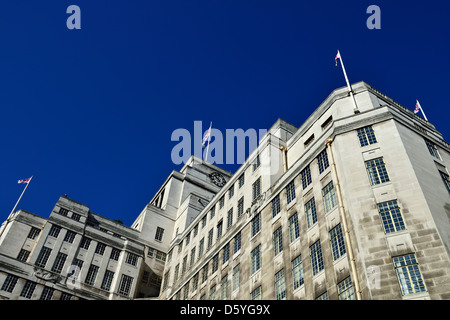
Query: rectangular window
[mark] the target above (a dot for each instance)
(323, 296)
(345, 290)
(200, 247)
(205, 273)
(236, 276)
(107, 280)
(446, 180)
(215, 263)
(432, 149)
(276, 208)
(297, 272)
(256, 188)
(280, 285)
(59, 262)
(131, 259)
(91, 275)
(65, 296)
(366, 136)
(256, 294)
(226, 253)
(195, 231)
(125, 285)
(231, 192)
(43, 257)
(192, 256)
(212, 293)
(316, 257)
(277, 241)
(224, 288)
(75, 216)
(256, 224)
(329, 197)
(115, 253)
(47, 293)
(23, 255)
(241, 180)
(306, 177)
(408, 274)
(77, 264)
(237, 242)
(221, 202)
(204, 221)
(159, 234)
(63, 212)
(10, 283)
(54, 231)
(255, 259)
(33, 234)
(85, 243)
(100, 249)
(28, 289)
(391, 216)
(177, 269)
(195, 282)
(322, 161)
(219, 229)
(377, 171)
(240, 207)
(256, 163)
(290, 192)
(184, 265)
(311, 214)
(213, 212)
(230, 218)
(337, 242)
(294, 229)
(210, 238)
(70, 236)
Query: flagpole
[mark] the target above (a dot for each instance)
(209, 138)
(420, 107)
(348, 83)
(18, 200)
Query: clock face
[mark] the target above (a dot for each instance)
(217, 179)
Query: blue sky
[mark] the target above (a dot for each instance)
(90, 112)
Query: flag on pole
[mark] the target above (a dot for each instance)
(206, 137)
(24, 180)
(419, 107)
(338, 56)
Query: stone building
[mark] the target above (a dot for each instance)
(353, 204)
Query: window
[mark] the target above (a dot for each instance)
(277, 241)
(186, 291)
(59, 262)
(237, 242)
(132, 259)
(256, 163)
(210, 238)
(316, 257)
(256, 188)
(212, 293)
(322, 161)
(215, 263)
(310, 210)
(34, 232)
(391, 216)
(408, 274)
(345, 290)
(327, 122)
(160, 255)
(43, 257)
(280, 286)
(28, 289)
(221, 202)
(226, 253)
(70, 236)
(205, 273)
(177, 268)
(366, 136)
(125, 285)
(240, 207)
(54, 231)
(306, 177)
(323, 296)
(213, 212)
(377, 171)
(276, 208)
(224, 288)
(256, 224)
(100, 249)
(297, 272)
(204, 221)
(76, 216)
(337, 242)
(85, 242)
(200, 247)
(184, 265)
(236, 276)
(65, 296)
(446, 180)
(241, 180)
(107, 280)
(432, 149)
(231, 192)
(10, 283)
(195, 231)
(188, 238)
(159, 233)
(230, 218)
(63, 212)
(91, 275)
(294, 229)
(75, 269)
(255, 259)
(192, 256)
(115, 253)
(47, 293)
(23, 255)
(256, 294)
(195, 282)
(290, 192)
(329, 197)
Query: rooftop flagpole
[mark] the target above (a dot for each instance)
(27, 181)
(419, 107)
(209, 138)
(338, 56)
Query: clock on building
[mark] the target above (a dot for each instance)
(217, 179)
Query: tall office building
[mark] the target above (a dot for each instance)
(353, 204)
